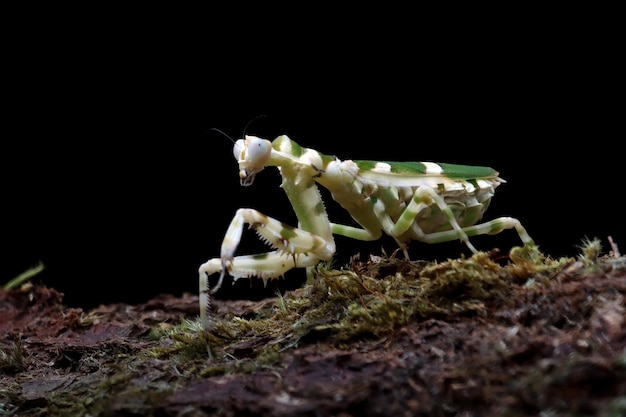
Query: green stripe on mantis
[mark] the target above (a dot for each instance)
(296, 150)
(288, 232)
(467, 171)
(396, 167)
(449, 170)
(327, 159)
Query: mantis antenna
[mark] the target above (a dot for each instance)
(245, 129)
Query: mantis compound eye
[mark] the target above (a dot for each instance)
(258, 150)
(252, 153)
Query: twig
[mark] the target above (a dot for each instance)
(23, 277)
(614, 247)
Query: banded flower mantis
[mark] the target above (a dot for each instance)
(423, 201)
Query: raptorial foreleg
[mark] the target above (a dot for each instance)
(295, 247)
(266, 266)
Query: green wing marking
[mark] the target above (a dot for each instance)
(419, 169)
(396, 167)
(467, 171)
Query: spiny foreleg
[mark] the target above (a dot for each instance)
(266, 266)
(294, 248)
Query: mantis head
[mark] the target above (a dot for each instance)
(251, 153)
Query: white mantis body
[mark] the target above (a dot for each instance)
(423, 201)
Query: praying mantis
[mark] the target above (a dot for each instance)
(423, 201)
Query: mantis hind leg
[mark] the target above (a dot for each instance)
(491, 227)
(425, 197)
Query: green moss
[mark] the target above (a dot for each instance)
(361, 300)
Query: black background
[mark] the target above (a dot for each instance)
(112, 181)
